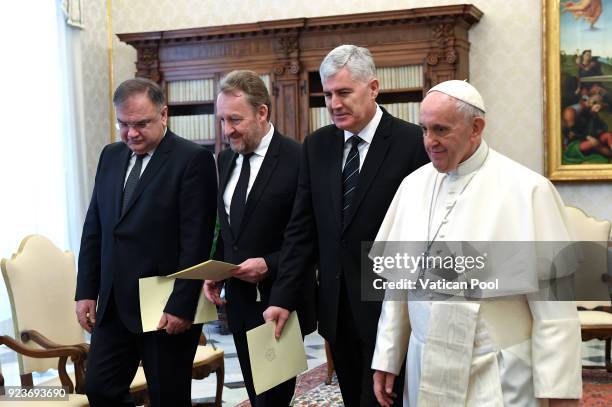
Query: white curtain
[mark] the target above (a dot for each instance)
(78, 187)
(73, 10)
(42, 161)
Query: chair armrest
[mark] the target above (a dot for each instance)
(46, 343)
(75, 353)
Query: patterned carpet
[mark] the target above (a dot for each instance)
(312, 391)
(597, 388)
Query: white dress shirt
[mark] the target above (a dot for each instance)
(366, 134)
(255, 163)
(145, 161)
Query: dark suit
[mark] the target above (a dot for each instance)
(267, 212)
(167, 226)
(315, 230)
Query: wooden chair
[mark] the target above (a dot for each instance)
(209, 359)
(41, 280)
(330, 364)
(75, 353)
(595, 316)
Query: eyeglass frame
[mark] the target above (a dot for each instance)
(138, 126)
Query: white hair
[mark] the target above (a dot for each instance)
(469, 112)
(357, 60)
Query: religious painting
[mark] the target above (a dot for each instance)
(578, 89)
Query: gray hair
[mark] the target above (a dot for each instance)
(249, 83)
(135, 86)
(357, 60)
(469, 112)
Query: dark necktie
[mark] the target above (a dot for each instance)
(132, 181)
(350, 176)
(239, 197)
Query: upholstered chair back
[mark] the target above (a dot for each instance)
(41, 280)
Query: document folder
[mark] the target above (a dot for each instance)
(276, 361)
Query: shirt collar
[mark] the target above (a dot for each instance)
(367, 133)
(474, 162)
(264, 143)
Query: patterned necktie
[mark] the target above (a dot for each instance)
(350, 176)
(239, 197)
(132, 181)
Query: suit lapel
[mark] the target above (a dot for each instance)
(263, 176)
(155, 164)
(223, 178)
(374, 159)
(335, 173)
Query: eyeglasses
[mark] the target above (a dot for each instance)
(138, 126)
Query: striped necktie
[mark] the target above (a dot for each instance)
(350, 176)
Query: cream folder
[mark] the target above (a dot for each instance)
(209, 270)
(276, 361)
(154, 293)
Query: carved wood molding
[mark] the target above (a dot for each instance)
(287, 48)
(465, 13)
(288, 45)
(443, 45)
(291, 67)
(148, 62)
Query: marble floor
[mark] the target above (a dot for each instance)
(234, 391)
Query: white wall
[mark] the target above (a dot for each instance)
(95, 70)
(505, 64)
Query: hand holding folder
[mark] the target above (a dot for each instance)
(274, 361)
(155, 291)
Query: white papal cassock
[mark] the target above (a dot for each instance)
(494, 352)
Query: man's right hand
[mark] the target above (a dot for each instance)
(86, 314)
(212, 291)
(383, 387)
(278, 315)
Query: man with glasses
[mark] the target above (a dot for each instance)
(152, 213)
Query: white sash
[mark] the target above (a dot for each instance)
(450, 341)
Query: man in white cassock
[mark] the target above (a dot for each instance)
(513, 351)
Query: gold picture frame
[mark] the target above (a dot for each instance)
(564, 144)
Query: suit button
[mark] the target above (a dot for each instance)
(235, 248)
(344, 243)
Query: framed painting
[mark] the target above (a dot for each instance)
(578, 89)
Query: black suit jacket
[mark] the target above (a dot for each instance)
(315, 230)
(167, 226)
(267, 212)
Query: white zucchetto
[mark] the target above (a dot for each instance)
(461, 90)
